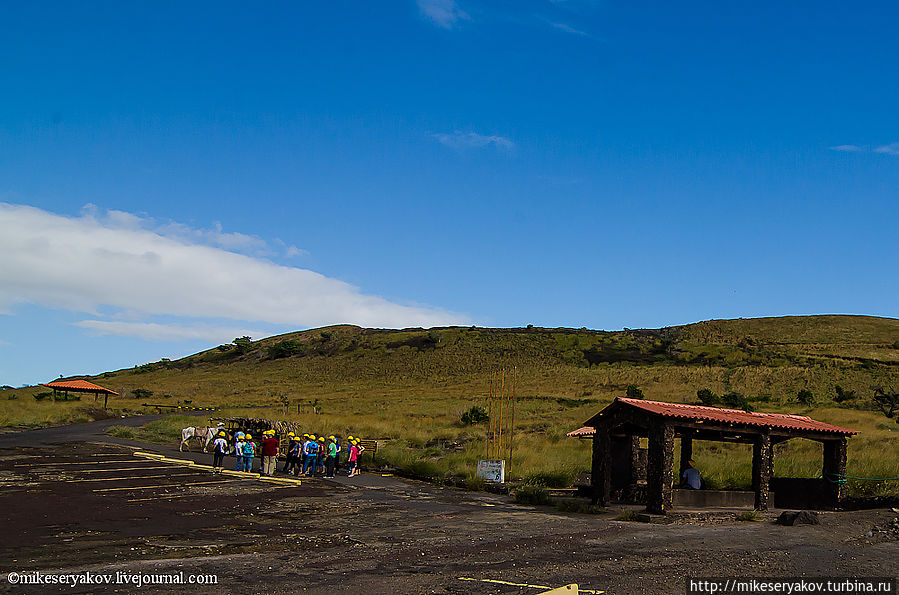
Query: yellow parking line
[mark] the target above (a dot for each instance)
(166, 497)
(284, 480)
(164, 485)
(129, 478)
(78, 463)
(497, 582)
(122, 469)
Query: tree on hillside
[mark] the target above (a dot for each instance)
(243, 344)
(633, 392)
(887, 401)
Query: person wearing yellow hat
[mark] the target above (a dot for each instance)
(310, 453)
(219, 450)
(331, 457)
(249, 451)
(353, 459)
(269, 452)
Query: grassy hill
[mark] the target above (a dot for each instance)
(412, 385)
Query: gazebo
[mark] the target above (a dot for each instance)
(618, 460)
(80, 386)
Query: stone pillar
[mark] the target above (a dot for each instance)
(686, 453)
(659, 469)
(638, 469)
(762, 466)
(834, 469)
(601, 469)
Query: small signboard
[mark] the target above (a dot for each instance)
(493, 471)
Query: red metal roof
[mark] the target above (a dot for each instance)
(79, 386)
(582, 432)
(734, 416)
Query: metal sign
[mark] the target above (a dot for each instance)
(492, 471)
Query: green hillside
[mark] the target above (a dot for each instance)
(768, 356)
(411, 386)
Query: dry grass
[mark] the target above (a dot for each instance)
(411, 387)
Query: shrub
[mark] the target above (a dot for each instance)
(707, 397)
(141, 393)
(736, 400)
(533, 495)
(749, 515)
(627, 515)
(244, 344)
(633, 392)
(42, 396)
(285, 348)
(551, 479)
(842, 395)
(805, 397)
(475, 415)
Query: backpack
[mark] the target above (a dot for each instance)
(248, 449)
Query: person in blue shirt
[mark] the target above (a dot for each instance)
(690, 477)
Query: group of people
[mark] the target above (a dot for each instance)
(305, 456)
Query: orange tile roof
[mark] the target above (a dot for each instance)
(79, 386)
(734, 416)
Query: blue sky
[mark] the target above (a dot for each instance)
(175, 174)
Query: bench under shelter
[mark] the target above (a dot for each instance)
(622, 467)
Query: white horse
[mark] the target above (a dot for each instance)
(204, 435)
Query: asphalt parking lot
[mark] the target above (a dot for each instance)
(91, 505)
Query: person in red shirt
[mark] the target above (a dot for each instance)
(270, 446)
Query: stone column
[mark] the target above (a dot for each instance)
(601, 469)
(762, 465)
(659, 468)
(834, 469)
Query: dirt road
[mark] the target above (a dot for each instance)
(74, 500)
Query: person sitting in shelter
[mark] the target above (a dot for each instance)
(690, 478)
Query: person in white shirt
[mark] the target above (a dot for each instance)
(219, 450)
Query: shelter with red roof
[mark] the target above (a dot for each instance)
(80, 386)
(619, 462)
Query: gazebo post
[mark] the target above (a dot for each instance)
(601, 468)
(762, 464)
(834, 470)
(659, 471)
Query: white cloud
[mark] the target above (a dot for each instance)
(569, 29)
(472, 140)
(443, 13)
(293, 251)
(152, 331)
(890, 149)
(86, 264)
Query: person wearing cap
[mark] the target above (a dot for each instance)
(269, 451)
(355, 451)
(331, 458)
(294, 452)
(249, 451)
(219, 450)
(690, 478)
(239, 438)
(288, 457)
(310, 453)
(322, 452)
